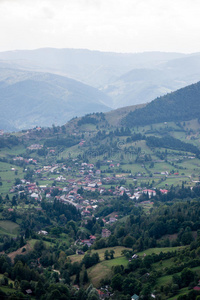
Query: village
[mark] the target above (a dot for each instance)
(82, 185)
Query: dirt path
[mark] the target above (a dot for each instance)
(12, 255)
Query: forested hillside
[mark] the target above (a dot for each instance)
(182, 105)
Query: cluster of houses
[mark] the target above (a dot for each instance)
(27, 161)
(72, 183)
(91, 181)
(35, 147)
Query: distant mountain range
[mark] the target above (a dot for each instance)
(141, 85)
(46, 86)
(29, 99)
(94, 68)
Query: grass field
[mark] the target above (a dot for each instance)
(164, 264)
(169, 181)
(115, 262)
(8, 227)
(9, 280)
(8, 176)
(15, 151)
(117, 249)
(103, 269)
(99, 272)
(7, 290)
(33, 241)
(164, 280)
(159, 250)
(183, 291)
(146, 206)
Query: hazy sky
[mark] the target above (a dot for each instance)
(107, 25)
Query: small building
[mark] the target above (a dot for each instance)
(43, 232)
(151, 193)
(105, 233)
(92, 238)
(163, 191)
(80, 252)
(87, 242)
(29, 292)
(135, 297)
(112, 220)
(34, 195)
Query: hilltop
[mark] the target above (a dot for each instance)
(181, 105)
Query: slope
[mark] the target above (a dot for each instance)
(29, 99)
(181, 105)
(141, 85)
(94, 68)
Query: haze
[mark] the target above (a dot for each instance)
(105, 25)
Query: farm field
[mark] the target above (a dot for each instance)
(103, 270)
(183, 291)
(8, 227)
(159, 250)
(118, 253)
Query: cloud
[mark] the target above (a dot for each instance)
(110, 25)
(48, 13)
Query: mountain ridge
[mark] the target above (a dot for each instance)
(175, 106)
(52, 99)
(113, 79)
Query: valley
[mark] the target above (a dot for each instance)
(96, 206)
(99, 150)
(51, 86)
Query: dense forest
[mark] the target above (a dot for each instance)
(181, 105)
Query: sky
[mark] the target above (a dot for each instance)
(105, 25)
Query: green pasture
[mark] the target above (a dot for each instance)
(99, 272)
(8, 227)
(103, 269)
(142, 144)
(134, 168)
(88, 127)
(70, 152)
(183, 291)
(179, 135)
(159, 250)
(8, 290)
(63, 238)
(161, 265)
(191, 164)
(8, 176)
(115, 262)
(45, 182)
(9, 280)
(160, 167)
(118, 253)
(33, 241)
(14, 151)
(164, 280)
(169, 181)
(146, 206)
